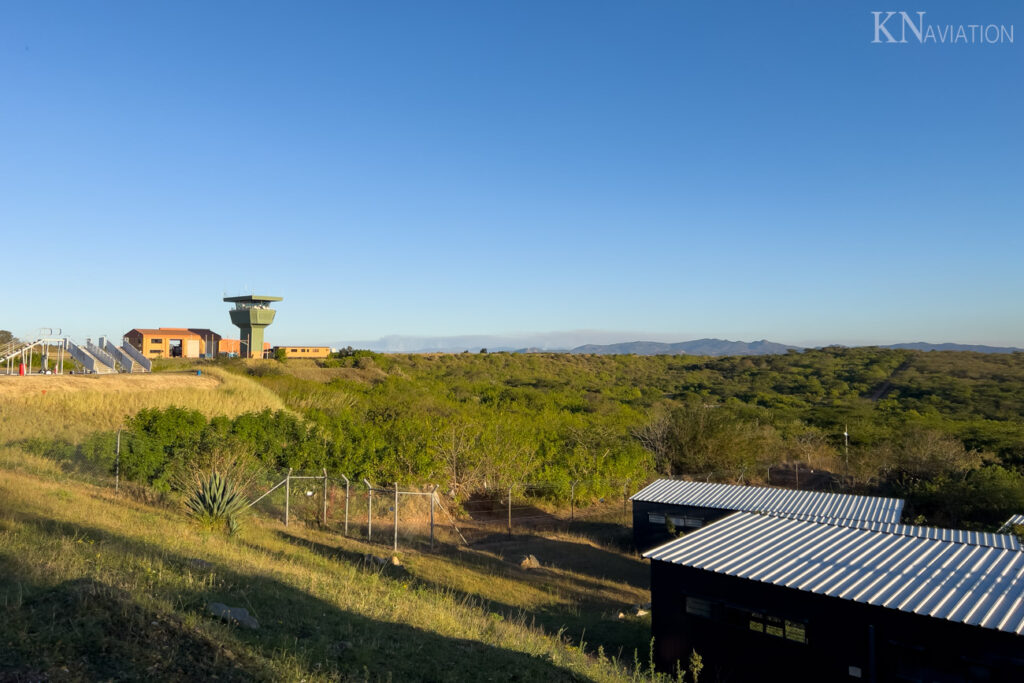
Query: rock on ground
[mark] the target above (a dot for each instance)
(238, 615)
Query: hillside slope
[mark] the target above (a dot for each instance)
(72, 406)
(95, 586)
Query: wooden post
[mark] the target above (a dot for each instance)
(346, 503)
(396, 515)
(510, 512)
(369, 509)
(433, 494)
(325, 496)
(287, 494)
(572, 502)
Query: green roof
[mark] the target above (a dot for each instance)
(251, 298)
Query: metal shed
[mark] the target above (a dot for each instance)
(817, 601)
(669, 506)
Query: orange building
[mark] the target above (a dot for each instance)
(233, 347)
(305, 351)
(172, 342)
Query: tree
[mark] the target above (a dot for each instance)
(6, 337)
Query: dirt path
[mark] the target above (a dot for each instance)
(882, 389)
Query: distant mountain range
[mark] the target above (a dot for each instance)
(980, 348)
(697, 347)
(562, 342)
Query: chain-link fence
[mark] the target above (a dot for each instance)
(397, 515)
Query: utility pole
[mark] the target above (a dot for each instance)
(846, 446)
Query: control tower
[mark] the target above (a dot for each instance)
(251, 314)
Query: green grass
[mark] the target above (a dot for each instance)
(96, 586)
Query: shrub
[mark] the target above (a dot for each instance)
(215, 500)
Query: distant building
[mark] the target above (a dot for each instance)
(252, 314)
(233, 347)
(304, 351)
(768, 596)
(173, 342)
(668, 506)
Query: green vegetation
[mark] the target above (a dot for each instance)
(945, 430)
(217, 499)
(93, 585)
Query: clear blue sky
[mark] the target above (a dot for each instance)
(681, 169)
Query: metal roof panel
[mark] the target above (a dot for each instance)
(969, 583)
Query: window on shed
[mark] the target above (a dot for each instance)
(687, 521)
(796, 631)
(698, 606)
(655, 518)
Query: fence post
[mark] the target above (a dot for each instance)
(572, 502)
(117, 464)
(287, 494)
(396, 515)
(510, 512)
(433, 494)
(369, 509)
(325, 497)
(346, 503)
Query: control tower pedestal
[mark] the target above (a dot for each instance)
(251, 314)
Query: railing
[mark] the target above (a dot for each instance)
(122, 358)
(18, 344)
(101, 355)
(87, 360)
(146, 363)
(14, 348)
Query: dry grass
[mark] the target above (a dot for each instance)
(74, 555)
(73, 406)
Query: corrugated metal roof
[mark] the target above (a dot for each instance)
(971, 584)
(1012, 522)
(766, 499)
(992, 540)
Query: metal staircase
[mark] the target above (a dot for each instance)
(142, 364)
(88, 360)
(46, 338)
(102, 358)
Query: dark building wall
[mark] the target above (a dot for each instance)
(748, 630)
(648, 534)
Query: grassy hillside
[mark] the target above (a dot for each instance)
(93, 586)
(72, 406)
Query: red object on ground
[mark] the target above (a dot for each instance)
(21, 369)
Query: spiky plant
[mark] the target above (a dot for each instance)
(216, 499)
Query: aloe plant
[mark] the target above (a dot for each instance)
(216, 499)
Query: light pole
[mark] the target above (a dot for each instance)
(846, 447)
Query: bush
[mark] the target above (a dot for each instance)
(215, 500)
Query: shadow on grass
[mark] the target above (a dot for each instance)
(589, 619)
(578, 557)
(85, 629)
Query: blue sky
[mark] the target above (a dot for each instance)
(665, 169)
